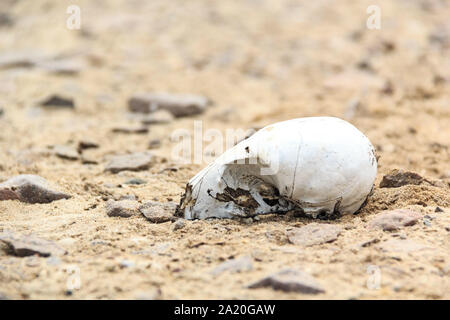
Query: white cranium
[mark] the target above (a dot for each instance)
(322, 166)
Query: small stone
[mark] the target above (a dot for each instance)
(290, 280)
(394, 219)
(313, 234)
(398, 178)
(29, 188)
(56, 101)
(158, 212)
(128, 197)
(370, 242)
(179, 224)
(130, 130)
(234, 265)
(135, 181)
(154, 144)
(85, 144)
(438, 209)
(23, 245)
(86, 160)
(405, 246)
(123, 208)
(447, 228)
(132, 162)
(66, 152)
(179, 105)
(158, 117)
(427, 222)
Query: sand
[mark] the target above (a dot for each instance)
(259, 62)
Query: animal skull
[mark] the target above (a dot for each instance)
(321, 166)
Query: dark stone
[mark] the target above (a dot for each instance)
(31, 189)
(398, 178)
(84, 144)
(22, 245)
(131, 130)
(179, 105)
(56, 101)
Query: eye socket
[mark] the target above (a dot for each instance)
(271, 202)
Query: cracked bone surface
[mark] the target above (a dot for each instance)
(322, 166)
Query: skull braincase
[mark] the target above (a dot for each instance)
(319, 165)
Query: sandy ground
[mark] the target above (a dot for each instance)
(260, 62)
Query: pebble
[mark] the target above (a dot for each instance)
(179, 224)
(123, 208)
(398, 178)
(438, 209)
(88, 160)
(85, 144)
(314, 234)
(158, 117)
(234, 265)
(135, 181)
(290, 280)
(31, 189)
(57, 101)
(131, 130)
(394, 219)
(28, 245)
(154, 144)
(128, 197)
(158, 212)
(131, 162)
(66, 152)
(179, 105)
